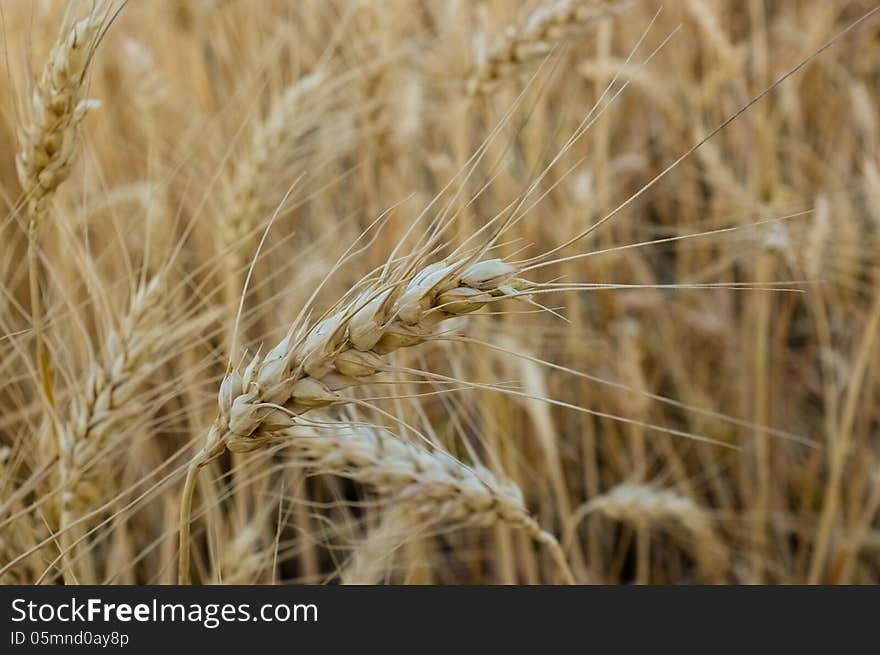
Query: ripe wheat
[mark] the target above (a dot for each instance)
(58, 106)
(536, 37)
(427, 487)
(652, 506)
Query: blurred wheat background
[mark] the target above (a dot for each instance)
(615, 379)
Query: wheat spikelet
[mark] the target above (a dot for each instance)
(425, 487)
(652, 506)
(536, 36)
(57, 108)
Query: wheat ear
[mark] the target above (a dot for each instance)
(428, 486)
(308, 368)
(103, 404)
(58, 106)
(249, 193)
(652, 506)
(310, 365)
(536, 36)
(46, 155)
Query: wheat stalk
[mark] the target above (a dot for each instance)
(19, 533)
(536, 36)
(648, 505)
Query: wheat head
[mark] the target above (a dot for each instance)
(425, 487)
(536, 37)
(308, 368)
(653, 506)
(58, 106)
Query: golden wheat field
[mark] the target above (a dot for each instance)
(439, 292)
